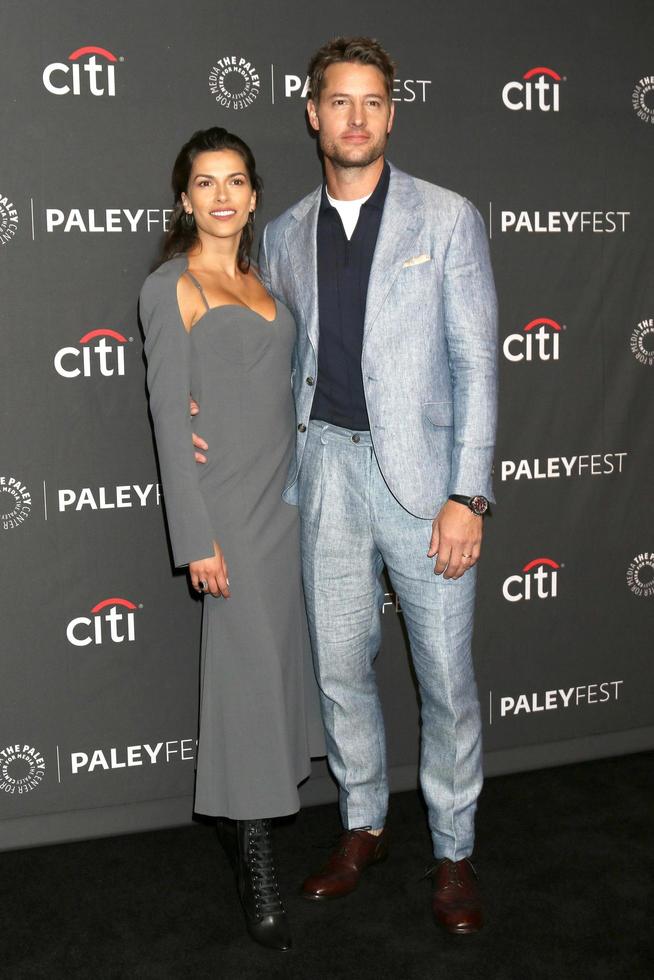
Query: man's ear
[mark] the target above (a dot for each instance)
(312, 113)
(391, 119)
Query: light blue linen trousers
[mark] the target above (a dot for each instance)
(352, 525)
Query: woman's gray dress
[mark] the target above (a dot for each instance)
(258, 694)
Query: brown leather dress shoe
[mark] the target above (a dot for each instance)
(356, 851)
(456, 902)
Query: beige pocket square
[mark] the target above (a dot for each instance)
(418, 260)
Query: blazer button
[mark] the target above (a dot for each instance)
(301, 427)
(309, 381)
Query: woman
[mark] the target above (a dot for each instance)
(213, 331)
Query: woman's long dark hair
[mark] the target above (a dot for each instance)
(182, 233)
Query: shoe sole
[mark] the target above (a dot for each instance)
(458, 930)
(325, 898)
(465, 931)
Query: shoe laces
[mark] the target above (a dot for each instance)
(452, 868)
(262, 868)
(348, 838)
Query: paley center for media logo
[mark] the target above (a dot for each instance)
(99, 352)
(234, 82)
(640, 575)
(22, 769)
(538, 340)
(538, 579)
(8, 220)
(641, 342)
(111, 621)
(642, 99)
(15, 502)
(89, 69)
(538, 89)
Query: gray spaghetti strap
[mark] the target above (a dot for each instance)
(196, 283)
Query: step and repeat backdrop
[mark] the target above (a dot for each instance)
(543, 115)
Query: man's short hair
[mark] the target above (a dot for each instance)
(359, 50)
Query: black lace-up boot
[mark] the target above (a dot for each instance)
(265, 915)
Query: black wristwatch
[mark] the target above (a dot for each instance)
(478, 505)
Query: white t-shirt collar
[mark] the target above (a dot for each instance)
(348, 211)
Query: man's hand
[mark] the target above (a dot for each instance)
(213, 571)
(197, 441)
(455, 539)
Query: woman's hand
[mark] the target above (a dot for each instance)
(199, 444)
(213, 572)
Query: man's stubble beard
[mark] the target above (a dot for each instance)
(332, 153)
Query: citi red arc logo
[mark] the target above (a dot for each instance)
(539, 89)
(106, 357)
(538, 580)
(92, 75)
(538, 340)
(111, 621)
(93, 49)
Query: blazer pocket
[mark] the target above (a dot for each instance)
(416, 260)
(439, 413)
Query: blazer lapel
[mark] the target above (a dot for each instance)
(300, 236)
(396, 241)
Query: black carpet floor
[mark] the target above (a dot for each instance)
(565, 858)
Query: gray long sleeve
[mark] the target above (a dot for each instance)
(167, 349)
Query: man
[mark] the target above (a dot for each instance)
(394, 379)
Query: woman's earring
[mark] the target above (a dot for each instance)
(188, 219)
(251, 216)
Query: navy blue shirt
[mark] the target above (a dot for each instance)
(343, 274)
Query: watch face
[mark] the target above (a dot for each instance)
(478, 505)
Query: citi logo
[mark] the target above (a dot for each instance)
(538, 580)
(539, 89)
(539, 340)
(106, 357)
(96, 77)
(111, 620)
